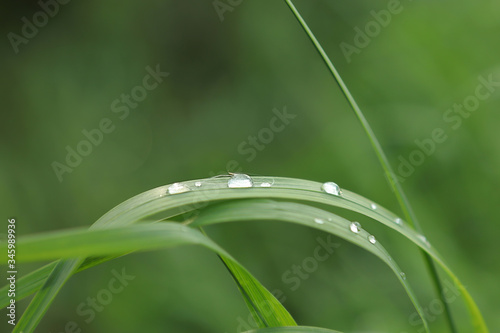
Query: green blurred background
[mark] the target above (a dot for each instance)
(225, 79)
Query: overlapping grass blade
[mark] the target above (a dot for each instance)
(236, 273)
(245, 286)
(119, 240)
(42, 300)
(155, 203)
(404, 203)
(268, 210)
(99, 242)
(27, 285)
(32, 282)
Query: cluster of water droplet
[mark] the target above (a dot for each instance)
(240, 180)
(355, 227)
(237, 180)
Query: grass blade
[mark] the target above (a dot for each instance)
(42, 300)
(258, 299)
(156, 203)
(395, 185)
(268, 210)
(32, 282)
(250, 300)
(119, 240)
(64, 270)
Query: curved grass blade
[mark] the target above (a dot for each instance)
(85, 243)
(236, 275)
(56, 276)
(27, 285)
(32, 282)
(396, 186)
(44, 297)
(403, 201)
(268, 210)
(155, 201)
(116, 241)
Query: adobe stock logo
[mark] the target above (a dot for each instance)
(92, 305)
(222, 6)
(30, 28)
(299, 273)
(436, 307)
(253, 144)
(372, 29)
(121, 107)
(294, 277)
(453, 117)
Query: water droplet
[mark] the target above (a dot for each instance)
(355, 227)
(424, 239)
(197, 184)
(373, 206)
(240, 180)
(372, 239)
(265, 184)
(177, 188)
(403, 275)
(331, 188)
(398, 221)
(319, 221)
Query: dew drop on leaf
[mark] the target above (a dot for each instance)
(319, 221)
(177, 188)
(331, 188)
(355, 227)
(424, 239)
(372, 239)
(240, 180)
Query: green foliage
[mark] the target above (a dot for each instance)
(115, 235)
(129, 227)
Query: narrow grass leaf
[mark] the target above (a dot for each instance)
(185, 206)
(404, 203)
(268, 210)
(33, 281)
(119, 240)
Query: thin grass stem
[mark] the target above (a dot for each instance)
(395, 185)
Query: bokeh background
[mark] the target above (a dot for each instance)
(225, 79)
